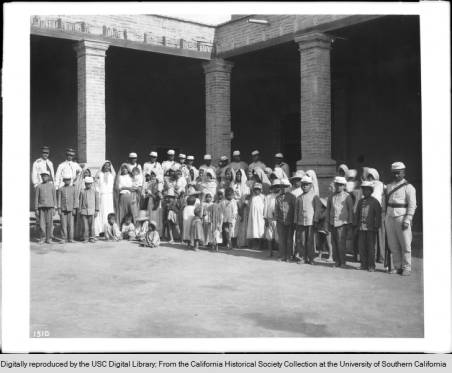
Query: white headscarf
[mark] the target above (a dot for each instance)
(241, 189)
(344, 168)
(262, 176)
(280, 174)
(315, 183)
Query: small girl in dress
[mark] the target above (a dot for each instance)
(230, 212)
(216, 217)
(207, 220)
(196, 231)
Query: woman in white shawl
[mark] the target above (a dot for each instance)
(379, 189)
(105, 181)
(123, 194)
(315, 183)
(241, 195)
(256, 223)
(261, 177)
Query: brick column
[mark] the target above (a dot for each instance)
(315, 107)
(91, 101)
(218, 108)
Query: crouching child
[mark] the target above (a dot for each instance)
(152, 238)
(111, 229)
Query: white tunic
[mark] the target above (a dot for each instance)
(38, 166)
(105, 182)
(256, 222)
(67, 166)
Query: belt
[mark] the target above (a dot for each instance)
(398, 205)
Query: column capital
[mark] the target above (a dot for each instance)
(218, 65)
(91, 47)
(313, 40)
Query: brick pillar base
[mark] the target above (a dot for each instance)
(315, 108)
(91, 102)
(218, 108)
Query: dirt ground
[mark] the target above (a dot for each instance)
(123, 290)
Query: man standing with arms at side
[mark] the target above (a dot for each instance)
(399, 206)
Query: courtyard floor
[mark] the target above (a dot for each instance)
(123, 290)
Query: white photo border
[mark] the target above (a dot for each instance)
(435, 81)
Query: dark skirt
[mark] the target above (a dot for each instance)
(125, 207)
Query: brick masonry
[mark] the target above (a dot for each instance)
(218, 108)
(91, 101)
(315, 107)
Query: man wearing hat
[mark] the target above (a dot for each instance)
(279, 162)
(41, 164)
(306, 216)
(222, 166)
(191, 168)
(89, 208)
(295, 180)
(284, 215)
(236, 163)
(45, 205)
(367, 221)
(339, 217)
(133, 162)
(68, 166)
(152, 165)
(170, 162)
(400, 206)
(208, 165)
(256, 162)
(184, 167)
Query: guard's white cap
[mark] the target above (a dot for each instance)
(397, 166)
(190, 158)
(182, 156)
(306, 179)
(171, 152)
(279, 155)
(88, 179)
(340, 180)
(153, 154)
(236, 153)
(223, 158)
(207, 157)
(133, 155)
(255, 152)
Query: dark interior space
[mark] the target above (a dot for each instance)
(265, 103)
(376, 87)
(153, 101)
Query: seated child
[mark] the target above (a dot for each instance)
(141, 225)
(196, 231)
(152, 238)
(128, 229)
(111, 229)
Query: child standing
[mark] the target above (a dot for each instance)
(216, 217)
(339, 216)
(256, 223)
(45, 203)
(188, 214)
(67, 207)
(269, 216)
(229, 211)
(367, 221)
(128, 229)
(111, 229)
(171, 224)
(196, 231)
(89, 208)
(152, 237)
(284, 213)
(207, 220)
(305, 218)
(323, 237)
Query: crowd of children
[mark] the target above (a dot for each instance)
(232, 205)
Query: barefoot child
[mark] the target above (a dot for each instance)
(188, 215)
(152, 237)
(141, 226)
(216, 216)
(269, 216)
(128, 229)
(196, 231)
(67, 207)
(111, 229)
(207, 220)
(230, 212)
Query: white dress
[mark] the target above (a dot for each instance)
(105, 182)
(187, 216)
(256, 222)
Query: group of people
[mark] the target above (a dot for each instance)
(233, 204)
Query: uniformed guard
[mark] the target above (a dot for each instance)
(170, 162)
(399, 205)
(153, 165)
(43, 163)
(279, 162)
(69, 165)
(222, 166)
(236, 163)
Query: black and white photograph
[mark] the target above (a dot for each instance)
(227, 175)
(257, 178)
